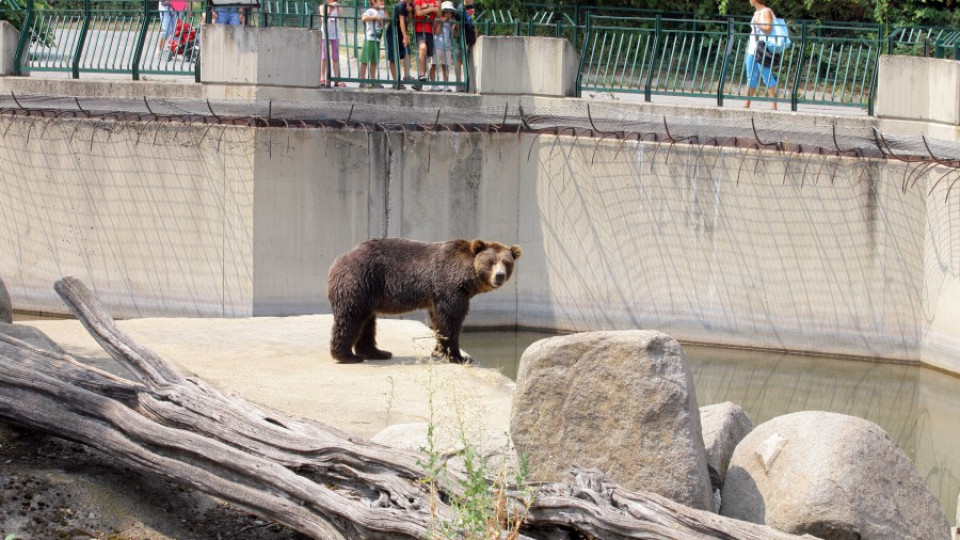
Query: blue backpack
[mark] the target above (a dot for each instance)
(778, 40)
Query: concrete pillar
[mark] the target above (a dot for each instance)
(531, 66)
(919, 96)
(244, 55)
(9, 36)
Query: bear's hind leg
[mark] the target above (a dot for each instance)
(367, 344)
(342, 337)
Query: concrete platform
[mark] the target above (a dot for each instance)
(284, 363)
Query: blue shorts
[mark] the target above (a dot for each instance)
(168, 23)
(755, 72)
(228, 15)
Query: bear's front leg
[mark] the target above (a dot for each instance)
(451, 354)
(448, 320)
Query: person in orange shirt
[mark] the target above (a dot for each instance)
(424, 14)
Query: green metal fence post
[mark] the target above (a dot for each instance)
(725, 68)
(794, 92)
(84, 27)
(657, 38)
(467, 57)
(141, 39)
(196, 57)
(576, 27)
(326, 45)
(873, 84)
(583, 55)
(26, 34)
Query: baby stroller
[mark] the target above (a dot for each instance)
(183, 41)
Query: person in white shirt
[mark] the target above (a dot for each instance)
(446, 32)
(370, 54)
(760, 25)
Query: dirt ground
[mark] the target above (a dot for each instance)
(52, 489)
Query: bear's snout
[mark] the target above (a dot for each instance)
(499, 277)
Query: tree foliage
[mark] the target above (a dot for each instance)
(897, 12)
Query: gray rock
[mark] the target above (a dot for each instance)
(415, 437)
(493, 452)
(956, 524)
(830, 475)
(619, 402)
(724, 426)
(6, 307)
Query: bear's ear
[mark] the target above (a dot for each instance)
(478, 246)
(516, 251)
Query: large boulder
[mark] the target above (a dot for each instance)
(830, 475)
(724, 426)
(619, 402)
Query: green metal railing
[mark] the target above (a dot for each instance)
(623, 50)
(947, 45)
(122, 37)
(289, 13)
(660, 56)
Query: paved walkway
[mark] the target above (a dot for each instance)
(729, 103)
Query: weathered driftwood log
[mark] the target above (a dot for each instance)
(305, 475)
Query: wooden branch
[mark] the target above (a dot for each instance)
(310, 477)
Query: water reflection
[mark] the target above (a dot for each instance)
(919, 408)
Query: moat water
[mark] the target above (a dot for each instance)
(918, 407)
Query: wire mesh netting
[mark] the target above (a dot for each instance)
(581, 120)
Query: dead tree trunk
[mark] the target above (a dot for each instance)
(305, 475)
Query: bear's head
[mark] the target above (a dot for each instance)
(493, 262)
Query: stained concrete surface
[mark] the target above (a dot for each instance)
(285, 364)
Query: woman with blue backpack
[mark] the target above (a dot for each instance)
(762, 51)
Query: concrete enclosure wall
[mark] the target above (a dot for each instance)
(713, 245)
(710, 245)
(158, 220)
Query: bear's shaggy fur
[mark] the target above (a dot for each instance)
(396, 275)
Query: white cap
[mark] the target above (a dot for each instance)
(447, 6)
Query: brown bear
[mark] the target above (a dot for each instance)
(396, 275)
